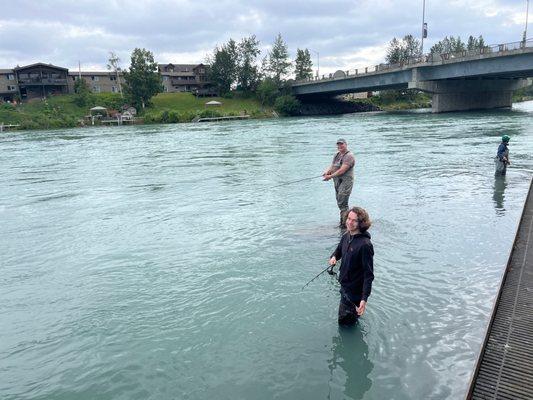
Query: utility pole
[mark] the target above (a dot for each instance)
(525, 30)
(424, 26)
(317, 61)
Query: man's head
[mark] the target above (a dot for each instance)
(505, 138)
(341, 145)
(358, 220)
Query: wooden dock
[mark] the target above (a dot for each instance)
(504, 369)
(212, 119)
(6, 127)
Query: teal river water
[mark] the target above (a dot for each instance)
(157, 262)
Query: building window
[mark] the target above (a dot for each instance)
(11, 87)
(114, 89)
(112, 78)
(95, 78)
(96, 88)
(10, 77)
(165, 78)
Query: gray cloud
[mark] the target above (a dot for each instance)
(342, 31)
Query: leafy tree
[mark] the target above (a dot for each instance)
(142, 81)
(303, 65)
(399, 51)
(473, 43)
(223, 66)
(247, 72)
(113, 64)
(448, 45)
(267, 91)
(278, 63)
(287, 105)
(82, 93)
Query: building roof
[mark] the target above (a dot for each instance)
(6, 71)
(39, 64)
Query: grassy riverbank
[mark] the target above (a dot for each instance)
(63, 112)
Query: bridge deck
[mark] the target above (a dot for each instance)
(504, 369)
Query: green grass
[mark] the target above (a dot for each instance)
(62, 111)
(186, 102)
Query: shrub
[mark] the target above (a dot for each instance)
(287, 105)
(7, 107)
(267, 92)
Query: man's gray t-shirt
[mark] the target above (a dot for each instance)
(341, 159)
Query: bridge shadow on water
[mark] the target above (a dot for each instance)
(350, 357)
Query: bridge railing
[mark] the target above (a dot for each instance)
(426, 59)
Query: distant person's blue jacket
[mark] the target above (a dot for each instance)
(502, 151)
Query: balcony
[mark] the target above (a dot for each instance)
(44, 81)
(185, 81)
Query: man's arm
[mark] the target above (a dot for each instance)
(339, 172)
(337, 254)
(367, 256)
(368, 276)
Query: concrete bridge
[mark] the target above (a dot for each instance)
(474, 79)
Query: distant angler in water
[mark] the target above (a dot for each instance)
(502, 157)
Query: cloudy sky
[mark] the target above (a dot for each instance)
(346, 34)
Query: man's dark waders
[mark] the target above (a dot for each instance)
(343, 189)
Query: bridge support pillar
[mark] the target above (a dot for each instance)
(462, 95)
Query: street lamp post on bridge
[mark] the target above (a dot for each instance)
(317, 62)
(424, 26)
(527, 15)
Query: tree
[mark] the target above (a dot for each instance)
(448, 45)
(287, 105)
(400, 51)
(113, 64)
(247, 71)
(267, 91)
(82, 93)
(142, 81)
(278, 63)
(223, 66)
(473, 43)
(303, 68)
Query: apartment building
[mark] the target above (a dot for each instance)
(41, 80)
(98, 82)
(185, 78)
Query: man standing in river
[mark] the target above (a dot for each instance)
(356, 272)
(341, 171)
(502, 156)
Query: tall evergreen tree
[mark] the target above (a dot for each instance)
(142, 81)
(223, 66)
(278, 60)
(247, 71)
(303, 65)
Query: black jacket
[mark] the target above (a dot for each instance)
(357, 265)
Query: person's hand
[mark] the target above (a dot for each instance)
(327, 177)
(332, 261)
(361, 309)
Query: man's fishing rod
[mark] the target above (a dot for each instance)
(329, 268)
(296, 181)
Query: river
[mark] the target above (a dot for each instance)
(159, 262)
